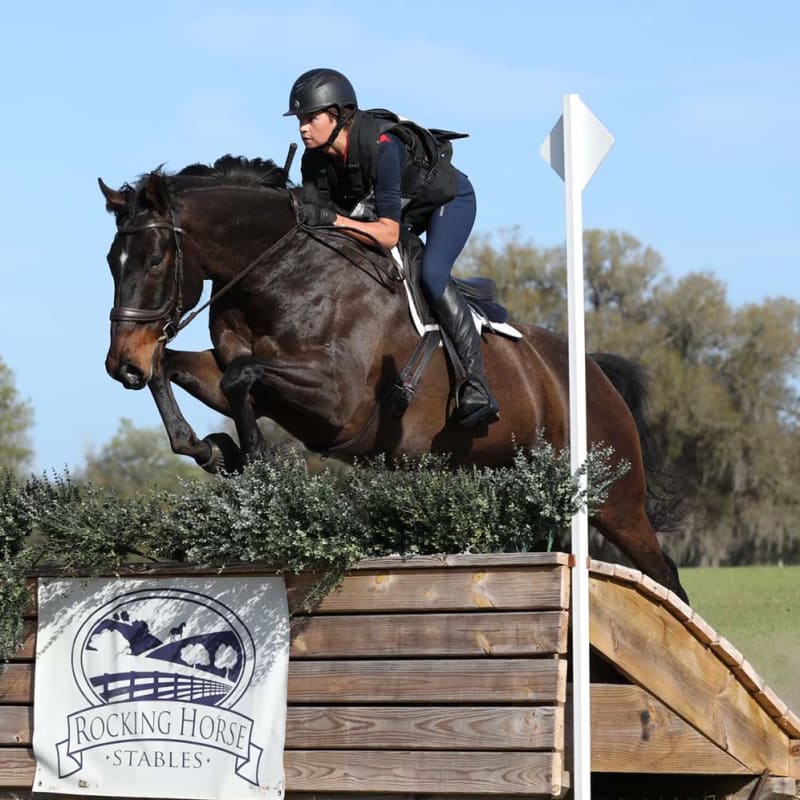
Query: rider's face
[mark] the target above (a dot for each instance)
(315, 129)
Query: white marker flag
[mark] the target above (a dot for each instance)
(161, 687)
(575, 148)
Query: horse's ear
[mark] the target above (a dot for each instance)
(156, 193)
(115, 201)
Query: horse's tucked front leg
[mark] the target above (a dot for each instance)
(306, 393)
(237, 385)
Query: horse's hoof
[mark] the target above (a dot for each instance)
(225, 454)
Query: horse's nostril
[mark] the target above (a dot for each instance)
(131, 376)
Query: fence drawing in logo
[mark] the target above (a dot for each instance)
(126, 686)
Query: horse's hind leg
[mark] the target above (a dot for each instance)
(629, 529)
(623, 520)
(635, 538)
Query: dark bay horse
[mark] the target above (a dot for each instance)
(312, 338)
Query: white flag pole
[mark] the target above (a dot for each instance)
(581, 700)
(574, 149)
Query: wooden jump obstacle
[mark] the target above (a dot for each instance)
(450, 676)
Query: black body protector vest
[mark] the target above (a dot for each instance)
(428, 179)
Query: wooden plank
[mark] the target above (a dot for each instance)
(449, 772)
(16, 767)
(445, 561)
(632, 732)
(507, 634)
(467, 681)
(422, 583)
(16, 683)
(534, 681)
(428, 728)
(430, 635)
(26, 794)
(653, 648)
(771, 703)
(451, 589)
(464, 559)
(508, 588)
(565, 784)
(790, 722)
(16, 724)
(422, 772)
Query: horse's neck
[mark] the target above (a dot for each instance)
(305, 285)
(233, 227)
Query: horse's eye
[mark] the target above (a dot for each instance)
(155, 261)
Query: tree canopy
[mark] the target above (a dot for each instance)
(16, 419)
(724, 381)
(135, 459)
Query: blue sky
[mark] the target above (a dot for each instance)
(702, 99)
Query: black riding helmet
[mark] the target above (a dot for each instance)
(318, 89)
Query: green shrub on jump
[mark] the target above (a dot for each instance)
(278, 514)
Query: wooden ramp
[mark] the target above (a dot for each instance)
(449, 676)
(693, 705)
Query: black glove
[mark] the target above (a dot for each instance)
(314, 216)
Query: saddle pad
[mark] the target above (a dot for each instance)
(422, 326)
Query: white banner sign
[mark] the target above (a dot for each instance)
(161, 688)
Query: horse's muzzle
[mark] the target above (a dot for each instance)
(130, 376)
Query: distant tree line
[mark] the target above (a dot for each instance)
(724, 398)
(16, 419)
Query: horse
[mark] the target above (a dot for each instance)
(177, 631)
(312, 335)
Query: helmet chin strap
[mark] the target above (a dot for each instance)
(340, 123)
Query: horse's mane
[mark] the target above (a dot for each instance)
(228, 170)
(231, 170)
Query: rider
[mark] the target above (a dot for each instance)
(354, 159)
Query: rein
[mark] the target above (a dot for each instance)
(238, 277)
(171, 310)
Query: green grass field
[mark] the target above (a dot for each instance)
(758, 610)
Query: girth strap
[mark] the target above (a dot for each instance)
(400, 394)
(402, 391)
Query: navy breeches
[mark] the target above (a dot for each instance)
(447, 233)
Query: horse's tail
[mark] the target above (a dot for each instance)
(665, 505)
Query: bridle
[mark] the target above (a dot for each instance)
(171, 310)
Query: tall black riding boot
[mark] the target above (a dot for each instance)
(474, 402)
